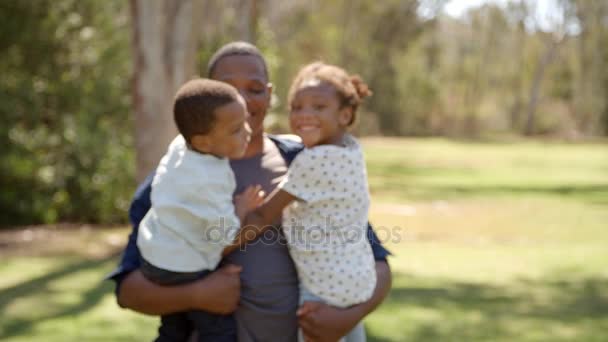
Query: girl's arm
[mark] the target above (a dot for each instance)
(259, 220)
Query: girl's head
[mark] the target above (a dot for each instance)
(323, 102)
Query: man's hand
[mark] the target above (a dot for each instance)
(324, 323)
(321, 322)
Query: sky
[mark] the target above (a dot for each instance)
(546, 10)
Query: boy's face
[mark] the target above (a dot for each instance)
(246, 74)
(316, 115)
(230, 133)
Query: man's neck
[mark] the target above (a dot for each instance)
(255, 147)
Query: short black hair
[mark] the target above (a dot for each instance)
(238, 48)
(195, 105)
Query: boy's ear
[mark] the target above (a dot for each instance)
(201, 143)
(345, 116)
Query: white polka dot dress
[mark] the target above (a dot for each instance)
(326, 227)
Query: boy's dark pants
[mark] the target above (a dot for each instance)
(179, 326)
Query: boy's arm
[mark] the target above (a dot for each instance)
(259, 220)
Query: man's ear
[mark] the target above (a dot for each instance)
(269, 89)
(201, 143)
(345, 116)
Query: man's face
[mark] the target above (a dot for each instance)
(246, 74)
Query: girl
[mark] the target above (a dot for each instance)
(325, 193)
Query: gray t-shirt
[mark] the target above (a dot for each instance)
(269, 283)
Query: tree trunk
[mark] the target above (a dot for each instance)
(539, 74)
(164, 47)
(249, 20)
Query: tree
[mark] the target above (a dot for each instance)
(165, 41)
(249, 22)
(591, 77)
(64, 105)
(539, 73)
(553, 40)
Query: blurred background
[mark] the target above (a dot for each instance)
(485, 143)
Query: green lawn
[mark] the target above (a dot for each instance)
(491, 242)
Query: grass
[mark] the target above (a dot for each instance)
(491, 242)
(52, 288)
(500, 242)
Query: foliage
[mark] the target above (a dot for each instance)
(66, 123)
(64, 103)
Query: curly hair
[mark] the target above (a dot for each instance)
(351, 89)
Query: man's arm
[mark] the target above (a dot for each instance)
(218, 293)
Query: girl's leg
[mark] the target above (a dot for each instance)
(307, 296)
(356, 335)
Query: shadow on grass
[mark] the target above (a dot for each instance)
(14, 326)
(498, 311)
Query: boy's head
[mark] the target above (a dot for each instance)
(212, 118)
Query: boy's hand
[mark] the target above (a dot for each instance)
(248, 200)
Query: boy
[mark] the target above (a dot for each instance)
(193, 218)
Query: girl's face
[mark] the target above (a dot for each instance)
(316, 114)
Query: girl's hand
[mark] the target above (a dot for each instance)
(248, 201)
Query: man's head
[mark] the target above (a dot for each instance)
(212, 118)
(237, 48)
(242, 65)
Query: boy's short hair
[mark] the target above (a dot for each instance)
(195, 105)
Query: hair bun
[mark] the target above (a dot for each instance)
(361, 87)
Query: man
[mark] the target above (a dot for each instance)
(262, 275)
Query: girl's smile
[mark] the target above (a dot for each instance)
(317, 115)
